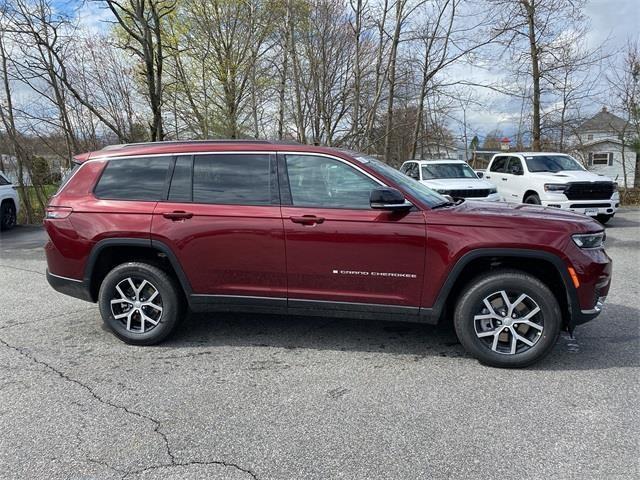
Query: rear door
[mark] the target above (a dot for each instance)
(341, 254)
(516, 181)
(497, 175)
(222, 220)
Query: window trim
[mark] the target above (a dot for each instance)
(285, 187)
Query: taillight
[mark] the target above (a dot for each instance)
(58, 212)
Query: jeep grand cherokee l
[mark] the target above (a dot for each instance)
(146, 230)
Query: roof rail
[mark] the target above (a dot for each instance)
(183, 142)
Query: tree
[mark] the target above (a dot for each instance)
(141, 22)
(535, 32)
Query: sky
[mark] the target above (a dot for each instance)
(613, 23)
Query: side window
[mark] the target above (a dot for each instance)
(232, 179)
(515, 166)
(325, 182)
(141, 178)
(499, 164)
(405, 168)
(414, 172)
(181, 181)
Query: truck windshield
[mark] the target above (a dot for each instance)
(551, 163)
(447, 170)
(412, 186)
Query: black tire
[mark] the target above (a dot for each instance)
(471, 304)
(532, 199)
(603, 218)
(7, 215)
(168, 298)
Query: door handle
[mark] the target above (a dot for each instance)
(177, 215)
(307, 219)
(504, 179)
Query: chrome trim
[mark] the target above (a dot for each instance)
(353, 303)
(65, 278)
(597, 307)
(207, 295)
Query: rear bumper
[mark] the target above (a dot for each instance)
(70, 286)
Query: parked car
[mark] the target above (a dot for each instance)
(9, 203)
(451, 177)
(146, 230)
(554, 180)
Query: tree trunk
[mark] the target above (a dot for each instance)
(535, 72)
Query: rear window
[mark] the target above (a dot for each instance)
(134, 179)
(232, 179)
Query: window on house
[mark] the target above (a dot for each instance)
(590, 136)
(601, 159)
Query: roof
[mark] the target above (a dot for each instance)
(604, 121)
(195, 146)
(436, 160)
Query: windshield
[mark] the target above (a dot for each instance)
(447, 170)
(552, 163)
(414, 187)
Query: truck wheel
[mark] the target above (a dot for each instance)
(7, 215)
(533, 199)
(603, 218)
(140, 303)
(507, 319)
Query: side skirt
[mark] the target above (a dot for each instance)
(273, 305)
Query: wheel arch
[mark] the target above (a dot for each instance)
(111, 252)
(529, 193)
(545, 266)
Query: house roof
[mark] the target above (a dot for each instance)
(604, 121)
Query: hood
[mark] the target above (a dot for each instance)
(457, 184)
(514, 215)
(566, 176)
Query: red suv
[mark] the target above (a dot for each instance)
(146, 230)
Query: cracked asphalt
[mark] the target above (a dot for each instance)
(267, 397)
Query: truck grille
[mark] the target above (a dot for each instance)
(589, 190)
(470, 193)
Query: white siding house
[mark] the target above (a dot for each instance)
(598, 143)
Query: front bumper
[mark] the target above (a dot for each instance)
(586, 207)
(69, 286)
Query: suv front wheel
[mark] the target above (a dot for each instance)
(507, 319)
(140, 303)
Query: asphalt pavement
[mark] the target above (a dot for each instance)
(266, 397)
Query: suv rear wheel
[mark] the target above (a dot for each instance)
(507, 319)
(140, 303)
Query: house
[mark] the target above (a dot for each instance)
(440, 151)
(598, 142)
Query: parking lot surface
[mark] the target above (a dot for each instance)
(266, 397)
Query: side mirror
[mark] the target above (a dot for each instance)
(388, 199)
(480, 174)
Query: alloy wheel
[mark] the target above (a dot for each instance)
(137, 303)
(509, 322)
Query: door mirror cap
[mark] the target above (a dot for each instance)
(388, 199)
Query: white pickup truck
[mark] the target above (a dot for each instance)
(9, 204)
(554, 180)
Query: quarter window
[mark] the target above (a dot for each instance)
(3, 181)
(141, 178)
(325, 182)
(232, 179)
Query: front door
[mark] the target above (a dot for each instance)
(222, 220)
(338, 248)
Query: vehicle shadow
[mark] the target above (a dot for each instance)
(607, 342)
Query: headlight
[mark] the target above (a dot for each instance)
(554, 187)
(493, 190)
(589, 240)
